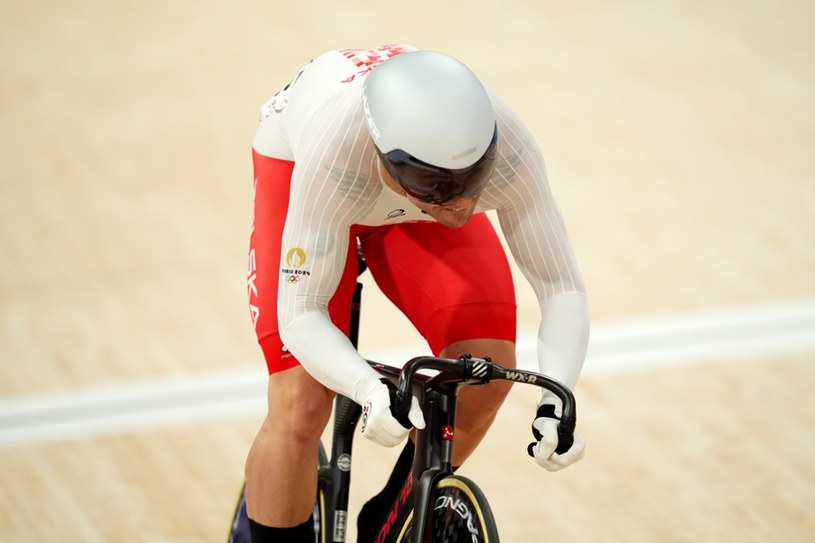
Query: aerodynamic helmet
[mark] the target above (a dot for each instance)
(433, 125)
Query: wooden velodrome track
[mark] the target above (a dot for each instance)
(679, 139)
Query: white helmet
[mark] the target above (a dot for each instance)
(432, 123)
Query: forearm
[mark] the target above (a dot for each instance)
(563, 336)
(327, 354)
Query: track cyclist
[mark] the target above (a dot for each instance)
(398, 152)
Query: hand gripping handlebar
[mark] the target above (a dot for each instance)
(471, 371)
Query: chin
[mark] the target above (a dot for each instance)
(453, 222)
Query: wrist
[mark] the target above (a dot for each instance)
(366, 386)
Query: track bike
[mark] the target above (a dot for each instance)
(434, 504)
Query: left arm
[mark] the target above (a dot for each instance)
(535, 232)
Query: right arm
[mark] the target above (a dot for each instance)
(326, 196)
(314, 248)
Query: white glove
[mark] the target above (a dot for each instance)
(544, 428)
(378, 424)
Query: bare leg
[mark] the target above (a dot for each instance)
(281, 474)
(478, 406)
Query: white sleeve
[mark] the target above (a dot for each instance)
(327, 354)
(329, 189)
(563, 336)
(536, 234)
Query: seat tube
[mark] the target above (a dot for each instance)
(346, 413)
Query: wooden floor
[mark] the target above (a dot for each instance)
(679, 141)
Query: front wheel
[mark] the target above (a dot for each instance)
(458, 513)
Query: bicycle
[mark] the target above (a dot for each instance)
(434, 505)
(449, 508)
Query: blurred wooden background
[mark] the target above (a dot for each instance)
(679, 143)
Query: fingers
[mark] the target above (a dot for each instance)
(547, 443)
(378, 422)
(544, 450)
(576, 452)
(383, 429)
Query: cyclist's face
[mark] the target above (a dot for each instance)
(454, 214)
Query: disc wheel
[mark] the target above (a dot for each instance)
(459, 513)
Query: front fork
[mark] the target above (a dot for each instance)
(437, 462)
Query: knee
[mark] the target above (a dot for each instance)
(484, 401)
(298, 408)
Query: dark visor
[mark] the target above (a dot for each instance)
(437, 186)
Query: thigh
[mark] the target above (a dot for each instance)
(454, 284)
(272, 181)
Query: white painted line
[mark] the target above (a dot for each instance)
(720, 335)
(709, 336)
(133, 406)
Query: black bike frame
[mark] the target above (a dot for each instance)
(434, 444)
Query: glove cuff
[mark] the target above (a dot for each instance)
(365, 387)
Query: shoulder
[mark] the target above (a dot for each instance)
(512, 129)
(327, 94)
(339, 70)
(519, 180)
